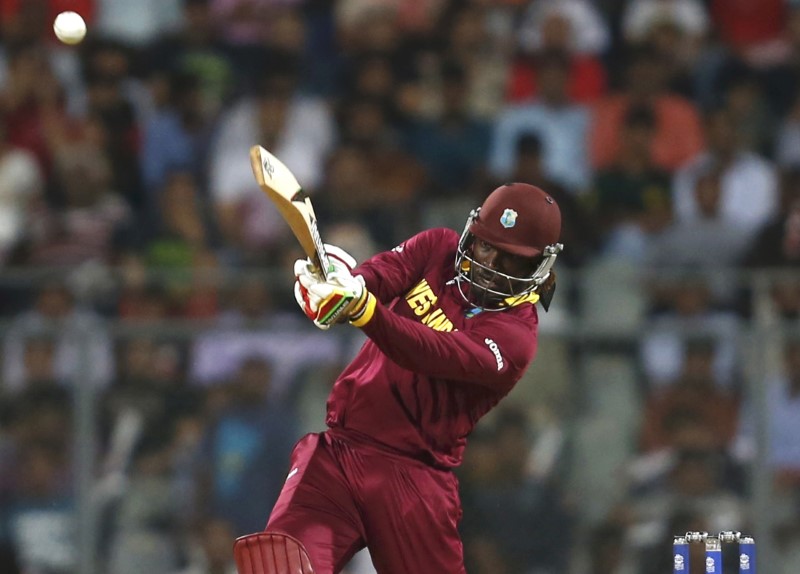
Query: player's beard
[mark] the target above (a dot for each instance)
(486, 286)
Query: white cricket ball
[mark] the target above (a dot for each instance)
(69, 27)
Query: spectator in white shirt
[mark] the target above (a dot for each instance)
(748, 183)
(590, 33)
(783, 418)
(298, 129)
(560, 124)
(82, 346)
(21, 187)
(137, 23)
(639, 17)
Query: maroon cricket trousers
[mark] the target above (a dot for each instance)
(341, 495)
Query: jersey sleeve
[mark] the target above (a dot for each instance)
(495, 354)
(391, 273)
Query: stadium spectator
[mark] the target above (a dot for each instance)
(752, 29)
(787, 140)
(582, 22)
(77, 331)
(239, 479)
(631, 197)
(783, 408)
(146, 526)
(137, 25)
(561, 124)
(748, 182)
(392, 179)
(678, 133)
(724, 244)
(195, 50)
(90, 217)
(252, 326)
(298, 129)
(684, 310)
(579, 228)
(523, 532)
(30, 102)
(694, 395)
(639, 17)
(175, 137)
(452, 148)
(21, 194)
(42, 502)
(587, 75)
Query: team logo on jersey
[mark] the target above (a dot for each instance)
(509, 218)
(423, 301)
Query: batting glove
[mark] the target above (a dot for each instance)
(339, 298)
(311, 303)
(339, 259)
(306, 275)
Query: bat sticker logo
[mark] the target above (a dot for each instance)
(509, 218)
(269, 169)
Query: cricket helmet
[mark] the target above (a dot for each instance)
(517, 218)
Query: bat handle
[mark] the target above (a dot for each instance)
(320, 267)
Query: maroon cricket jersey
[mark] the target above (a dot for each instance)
(432, 366)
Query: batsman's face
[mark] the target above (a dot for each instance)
(490, 257)
(495, 269)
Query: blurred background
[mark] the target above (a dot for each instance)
(155, 371)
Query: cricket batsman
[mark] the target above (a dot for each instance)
(452, 324)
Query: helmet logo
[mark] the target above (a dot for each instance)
(509, 218)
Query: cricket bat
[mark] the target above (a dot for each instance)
(281, 186)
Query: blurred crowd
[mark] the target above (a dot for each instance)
(139, 260)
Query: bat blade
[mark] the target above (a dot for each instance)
(294, 205)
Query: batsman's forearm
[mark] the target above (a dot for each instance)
(456, 356)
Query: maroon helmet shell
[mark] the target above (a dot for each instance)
(518, 218)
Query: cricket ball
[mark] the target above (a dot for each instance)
(69, 27)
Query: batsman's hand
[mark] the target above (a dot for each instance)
(340, 259)
(332, 301)
(337, 299)
(306, 275)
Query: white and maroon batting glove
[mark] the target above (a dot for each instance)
(337, 299)
(305, 276)
(340, 260)
(325, 306)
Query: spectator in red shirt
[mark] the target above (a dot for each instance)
(753, 29)
(587, 79)
(678, 132)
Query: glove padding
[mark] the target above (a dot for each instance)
(331, 301)
(339, 259)
(336, 299)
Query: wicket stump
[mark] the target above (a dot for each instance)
(713, 548)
